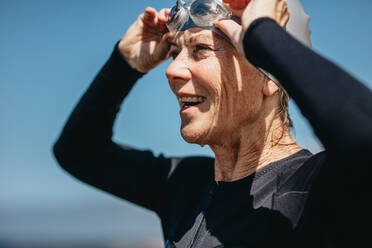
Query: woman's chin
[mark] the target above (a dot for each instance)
(192, 135)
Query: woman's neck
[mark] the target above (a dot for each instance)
(245, 152)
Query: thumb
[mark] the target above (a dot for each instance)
(226, 26)
(231, 29)
(163, 47)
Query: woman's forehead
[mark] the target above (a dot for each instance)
(196, 35)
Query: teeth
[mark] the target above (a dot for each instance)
(190, 99)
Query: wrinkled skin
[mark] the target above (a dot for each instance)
(207, 65)
(237, 110)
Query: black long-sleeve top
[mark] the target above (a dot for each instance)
(304, 200)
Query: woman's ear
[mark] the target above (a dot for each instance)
(270, 88)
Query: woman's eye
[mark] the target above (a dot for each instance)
(201, 50)
(202, 47)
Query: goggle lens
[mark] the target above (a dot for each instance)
(202, 12)
(205, 12)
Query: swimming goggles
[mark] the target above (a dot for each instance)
(197, 13)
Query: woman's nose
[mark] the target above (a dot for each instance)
(179, 70)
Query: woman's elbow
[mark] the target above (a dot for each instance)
(63, 154)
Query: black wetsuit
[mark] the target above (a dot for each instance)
(304, 200)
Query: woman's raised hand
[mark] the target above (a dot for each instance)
(145, 44)
(249, 11)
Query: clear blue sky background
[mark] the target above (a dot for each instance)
(51, 50)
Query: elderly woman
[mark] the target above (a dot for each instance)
(262, 189)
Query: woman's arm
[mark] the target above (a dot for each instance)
(339, 109)
(85, 148)
(338, 106)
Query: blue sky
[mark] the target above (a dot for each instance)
(49, 53)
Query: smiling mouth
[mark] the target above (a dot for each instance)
(187, 102)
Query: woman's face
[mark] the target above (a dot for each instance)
(219, 92)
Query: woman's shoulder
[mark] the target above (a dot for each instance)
(300, 171)
(294, 183)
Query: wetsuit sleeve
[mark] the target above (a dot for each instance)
(86, 150)
(339, 109)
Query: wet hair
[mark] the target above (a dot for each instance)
(284, 109)
(298, 27)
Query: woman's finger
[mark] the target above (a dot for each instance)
(285, 18)
(281, 6)
(162, 49)
(284, 13)
(163, 16)
(150, 16)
